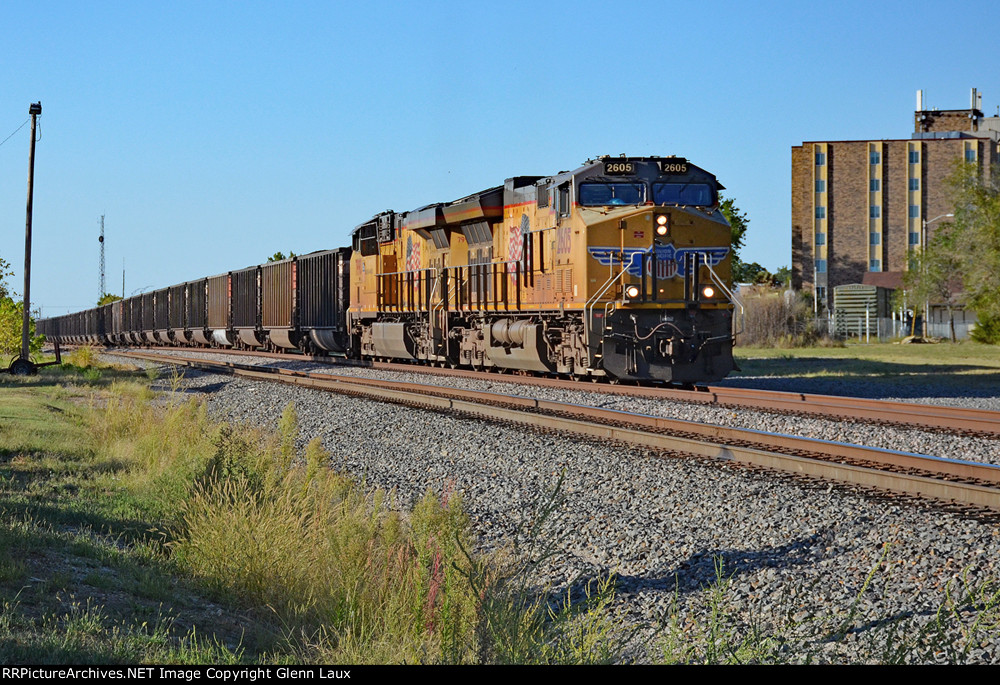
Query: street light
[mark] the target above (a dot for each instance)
(923, 247)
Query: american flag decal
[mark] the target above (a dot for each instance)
(515, 245)
(412, 254)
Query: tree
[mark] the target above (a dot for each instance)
(977, 244)
(738, 224)
(749, 273)
(935, 273)
(5, 271)
(783, 276)
(107, 298)
(11, 320)
(279, 256)
(961, 262)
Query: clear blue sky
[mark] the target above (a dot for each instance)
(213, 134)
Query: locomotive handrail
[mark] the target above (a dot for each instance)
(437, 306)
(589, 307)
(484, 303)
(729, 293)
(404, 273)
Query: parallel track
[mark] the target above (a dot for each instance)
(950, 420)
(971, 485)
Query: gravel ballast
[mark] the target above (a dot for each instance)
(661, 524)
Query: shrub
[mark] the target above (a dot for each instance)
(776, 318)
(82, 357)
(987, 330)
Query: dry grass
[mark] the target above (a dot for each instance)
(282, 535)
(777, 318)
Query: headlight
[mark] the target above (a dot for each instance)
(708, 291)
(632, 292)
(661, 224)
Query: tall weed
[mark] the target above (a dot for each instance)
(280, 532)
(83, 357)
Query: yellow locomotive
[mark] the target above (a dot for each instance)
(618, 268)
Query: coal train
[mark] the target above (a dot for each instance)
(618, 269)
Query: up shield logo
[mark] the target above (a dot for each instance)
(670, 261)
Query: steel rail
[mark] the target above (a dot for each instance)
(947, 419)
(967, 483)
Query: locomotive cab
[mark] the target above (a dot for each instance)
(654, 232)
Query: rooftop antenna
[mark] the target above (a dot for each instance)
(101, 290)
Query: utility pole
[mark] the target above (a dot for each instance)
(101, 289)
(23, 366)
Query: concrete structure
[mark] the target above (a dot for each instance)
(861, 208)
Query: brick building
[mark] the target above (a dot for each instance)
(861, 207)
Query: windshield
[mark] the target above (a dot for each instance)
(698, 194)
(596, 194)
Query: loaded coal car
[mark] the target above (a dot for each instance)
(245, 308)
(177, 315)
(196, 329)
(161, 317)
(312, 316)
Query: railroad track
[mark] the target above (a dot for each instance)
(962, 421)
(971, 486)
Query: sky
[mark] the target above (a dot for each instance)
(211, 135)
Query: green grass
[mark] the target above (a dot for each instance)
(132, 526)
(135, 529)
(84, 576)
(963, 367)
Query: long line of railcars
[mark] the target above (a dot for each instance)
(619, 268)
(297, 303)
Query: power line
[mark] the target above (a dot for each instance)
(15, 131)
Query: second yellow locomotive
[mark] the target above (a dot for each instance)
(619, 269)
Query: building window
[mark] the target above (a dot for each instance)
(874, 265)
(820, 185)
(875, 157)
(914, 211)
(821, 293)
(874, 185)
(820, 158)
(821, 266)
(914, 184)
(914, 238)
(970, 155)
(874, 211)
(821, 238)
(874, 238)
(821, 212)
(914, 156)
